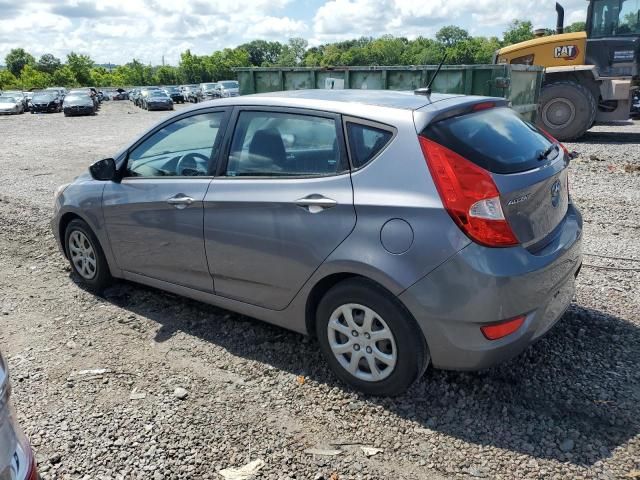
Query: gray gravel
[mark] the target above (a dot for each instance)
(145, 385)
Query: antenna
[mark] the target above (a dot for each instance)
(427, 90)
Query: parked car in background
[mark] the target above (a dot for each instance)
(175, 93)
(10, 104)
(190, 93)
(17, 461)
(120, 94)
(157, 100)
(635, 107)
(91, 93)
(228, 88)
(45, 101)
(78, 104)
(293, 208)
(61, 91)
(27, 98)
(18, 95)
(207, 91)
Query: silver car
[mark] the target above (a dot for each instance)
(400, 229)
(11, 105)
(17, 461)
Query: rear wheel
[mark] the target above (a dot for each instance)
(86, 256)
(567, 110)
(369, 339)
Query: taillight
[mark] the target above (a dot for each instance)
(469, 194)
(502, 329)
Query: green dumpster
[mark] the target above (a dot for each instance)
(518, 83)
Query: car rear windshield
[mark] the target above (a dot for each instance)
(497, 139)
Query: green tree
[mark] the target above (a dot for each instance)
(17, 59)
(8, 80)
(518, 31)
(452, 35)
(64, 77)
(81, 66)
(576, 27)
(48, 63)
(31, 78)
(166, 75)
(293, 52)
(100, 77)
(262, 53)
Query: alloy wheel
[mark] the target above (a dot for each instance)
(82, 254)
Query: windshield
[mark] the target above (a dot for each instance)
(42, 96)
(75, 98)
(615, 17)
(230, 84)
(4, 99)
(208, 86)
(157, 93)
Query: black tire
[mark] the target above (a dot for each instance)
(102, 276)
(411, 348)
(574, 106)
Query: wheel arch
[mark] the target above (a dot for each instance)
(585, 78)
(324, 284)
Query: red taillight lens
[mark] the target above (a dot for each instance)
(469, 195)
(502, 329)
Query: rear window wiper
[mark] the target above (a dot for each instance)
(545, 155)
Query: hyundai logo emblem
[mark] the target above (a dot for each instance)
(555, 193)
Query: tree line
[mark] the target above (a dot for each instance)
(25, 72)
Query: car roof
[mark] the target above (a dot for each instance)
(406, 100)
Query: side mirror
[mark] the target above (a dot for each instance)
(104, 170)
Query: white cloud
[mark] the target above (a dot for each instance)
(118, 30)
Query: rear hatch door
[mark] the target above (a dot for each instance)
(529, 169)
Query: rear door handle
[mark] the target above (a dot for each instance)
(316, 203)
(180, 201)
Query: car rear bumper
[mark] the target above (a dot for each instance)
(160, 106)
(480, 286)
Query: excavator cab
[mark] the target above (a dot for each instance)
(588, 75)
(613, 37)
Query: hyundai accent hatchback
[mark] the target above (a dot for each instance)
(400, 229)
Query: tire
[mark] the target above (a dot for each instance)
(566, 110)
(77, 236)
(404, 341)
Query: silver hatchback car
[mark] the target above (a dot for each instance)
(400, 229)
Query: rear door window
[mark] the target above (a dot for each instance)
(279, 144)
(365, 142)
(498, 140)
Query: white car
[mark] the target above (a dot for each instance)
(11, 105)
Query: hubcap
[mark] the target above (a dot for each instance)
(362, 342)
(558, 113)
(82, 254)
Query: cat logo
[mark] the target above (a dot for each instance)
(567, 52)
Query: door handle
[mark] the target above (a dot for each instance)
(316, 203)
(180, 201)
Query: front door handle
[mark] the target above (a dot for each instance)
(316, 203)
(180, 201)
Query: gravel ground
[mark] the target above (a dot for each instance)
(569, 407)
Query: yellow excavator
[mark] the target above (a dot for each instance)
(589, 76)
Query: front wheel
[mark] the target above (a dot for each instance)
(369, 339)
(567, 110)
(86, 256)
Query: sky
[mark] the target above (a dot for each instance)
(115, 31)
